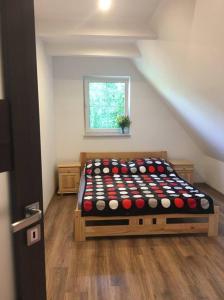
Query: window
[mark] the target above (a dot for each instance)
(105, 99)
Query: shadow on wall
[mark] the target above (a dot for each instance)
(186, 66)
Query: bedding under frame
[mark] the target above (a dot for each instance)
(95, 226)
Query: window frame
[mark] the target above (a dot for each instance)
(104, 131)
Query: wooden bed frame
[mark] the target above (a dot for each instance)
(95, 226)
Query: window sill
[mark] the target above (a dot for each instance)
(87, 135)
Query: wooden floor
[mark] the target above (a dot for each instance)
(144, 268)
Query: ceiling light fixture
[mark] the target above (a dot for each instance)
(104, 5)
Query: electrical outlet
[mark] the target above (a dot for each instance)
(33, 235)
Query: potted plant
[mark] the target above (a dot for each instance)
(124, 122)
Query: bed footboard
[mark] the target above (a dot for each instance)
(79, 227)
(144, 225)
(213, 222)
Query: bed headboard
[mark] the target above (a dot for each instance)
(84, 156)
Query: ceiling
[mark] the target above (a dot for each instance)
(76, 9)
(182, 57)
(80, 28)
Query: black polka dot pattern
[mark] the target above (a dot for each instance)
(137, 166)
(149, 165)
(143, 193)
(105, 167)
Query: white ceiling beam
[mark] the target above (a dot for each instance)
(63, 48)
(46, 29)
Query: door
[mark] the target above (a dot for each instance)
(6, 257)
(20, 85)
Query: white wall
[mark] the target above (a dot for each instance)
(186, 66)
(6, 257)
(214, 173)
(47, 122)
(153, 125)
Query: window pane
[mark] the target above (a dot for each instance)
(104, 117)
(106, 101)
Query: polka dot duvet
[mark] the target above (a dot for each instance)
(139, 187)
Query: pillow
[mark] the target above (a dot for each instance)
(106, 167)
(137, 166)
(149, 166)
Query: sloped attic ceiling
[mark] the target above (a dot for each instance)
(177, 44)
(186, 65)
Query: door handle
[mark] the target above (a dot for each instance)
(32, 215)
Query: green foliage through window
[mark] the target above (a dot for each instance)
(106, 102)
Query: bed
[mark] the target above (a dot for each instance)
(138, 193)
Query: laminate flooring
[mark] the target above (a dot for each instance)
(133, 268)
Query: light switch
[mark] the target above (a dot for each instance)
(33, 235)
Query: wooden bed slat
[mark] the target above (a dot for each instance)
(117, 230)
(167, 216)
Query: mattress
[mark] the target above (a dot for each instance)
(142, 193)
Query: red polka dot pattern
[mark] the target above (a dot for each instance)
(124, 170)
(115, 170)
(192, 203)
(126, 203)
(138, 166)
(140, 203)
(161, 169)
(120, 192)
(152, 169)
(88, 205)
(179, 202)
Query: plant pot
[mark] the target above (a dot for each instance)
(125, 130)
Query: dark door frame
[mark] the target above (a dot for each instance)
(21, 92)
(5, 137)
